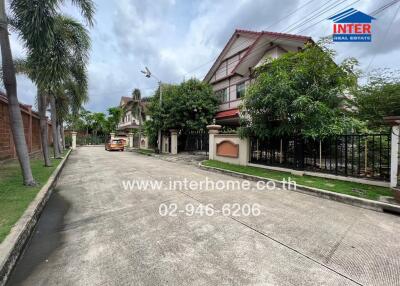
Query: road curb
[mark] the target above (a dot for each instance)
(13, 245)
(346, 199)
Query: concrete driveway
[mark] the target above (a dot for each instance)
(94, 232)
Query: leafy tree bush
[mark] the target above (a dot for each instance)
(300, 93)
(378, 98)
(190, 105)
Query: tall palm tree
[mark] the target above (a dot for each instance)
(24, 66)
(10, 83)
(47, 38)
(71, 46)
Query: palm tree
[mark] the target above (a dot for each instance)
(137, 108)
(10, 83)
(24, 66)
(70, 49)
(48, 38)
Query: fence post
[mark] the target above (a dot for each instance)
(366, 156)
(174, 141)
(212, 130)
(73, 133)
(394, 156)
(394, 121)
(299, 153)
(320, 154)
(130, 136)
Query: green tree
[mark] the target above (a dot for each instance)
(48, 38)
(115, 114)
(300, 93)
(99, 122)
(190, 105)
(378, 98)
(74, 39)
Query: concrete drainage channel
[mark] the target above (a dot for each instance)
(13, 245)
(350, 200)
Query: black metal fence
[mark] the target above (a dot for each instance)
(366, 155)
(193, 141)
(91, 139)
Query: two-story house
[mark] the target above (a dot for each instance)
(134, 113)
(232, 71)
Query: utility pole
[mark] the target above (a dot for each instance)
(148, 74)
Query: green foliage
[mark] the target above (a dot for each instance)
(190, 105)
(115, 114)
(300, 93)
(380, 97)
(51, 39)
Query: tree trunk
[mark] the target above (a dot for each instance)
(56, 140)
(44, 135)
(10, 84)
(60, 146)
(62, 135)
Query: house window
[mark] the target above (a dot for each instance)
(240, 90)
(222, 95)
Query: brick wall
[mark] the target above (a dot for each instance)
(31, 128)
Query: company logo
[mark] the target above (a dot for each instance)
(352, 26)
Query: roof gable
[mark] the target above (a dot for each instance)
(233, 46)
(256, 48)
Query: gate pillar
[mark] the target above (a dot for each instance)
(212, 130)
(73, 133)
(130, 137)
(394, 121)
(174, 141)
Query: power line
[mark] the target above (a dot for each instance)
(341, 10)
(375, 12)
(244, 45)
(252, 54)
(386, 33)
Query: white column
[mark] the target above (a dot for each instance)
(394, 156)
(244, 151)
(73, 133)
(130, 136)
(212, 130)
(174, 141)
(112, 135)
(145, 141)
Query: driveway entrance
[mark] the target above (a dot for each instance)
(95, 232)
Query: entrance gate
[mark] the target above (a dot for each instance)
(90, 139)
(195, 140)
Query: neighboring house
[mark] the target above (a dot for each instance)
(232, 72)
(134, 113)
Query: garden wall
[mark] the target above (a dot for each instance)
(31, 128)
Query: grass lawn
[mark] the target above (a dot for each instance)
(145, 151)
(14, 196)
(337, 186)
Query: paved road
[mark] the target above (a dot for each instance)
(93, 232)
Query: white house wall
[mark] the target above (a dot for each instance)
(241, 43)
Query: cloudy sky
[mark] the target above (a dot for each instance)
(179, 39)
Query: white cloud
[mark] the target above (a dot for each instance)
(174, 37)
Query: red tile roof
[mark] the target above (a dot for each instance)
(228, 113)
(274, 34)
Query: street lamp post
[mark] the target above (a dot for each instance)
(148, 74)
